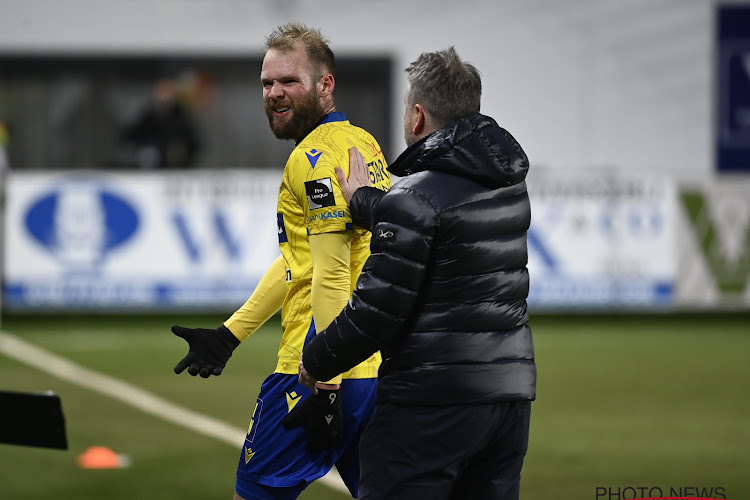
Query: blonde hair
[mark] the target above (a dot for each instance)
(316, 45)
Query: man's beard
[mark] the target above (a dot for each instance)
(306, 115)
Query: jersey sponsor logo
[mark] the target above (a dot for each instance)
(292, 398)
(313, 156)
(281, 229)
(334, 214)
(319, 193)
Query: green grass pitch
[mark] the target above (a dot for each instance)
(623, 401)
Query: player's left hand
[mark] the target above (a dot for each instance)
(209, 350)
(321, 417)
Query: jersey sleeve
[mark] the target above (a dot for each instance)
(318, 190)
(331, 278)
(264, 302)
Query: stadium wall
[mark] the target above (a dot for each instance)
(580, 83)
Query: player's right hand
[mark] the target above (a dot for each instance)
(209, 350)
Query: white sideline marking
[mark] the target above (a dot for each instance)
(43, 360)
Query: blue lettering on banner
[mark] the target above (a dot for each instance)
(538, 246)
(190, 245)
(223, 235)
(86, 293)
(599, 291)
(631, 222)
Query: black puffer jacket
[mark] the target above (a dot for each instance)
(443, 295)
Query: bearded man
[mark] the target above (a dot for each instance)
(294, 436)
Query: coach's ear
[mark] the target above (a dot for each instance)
(418, 120)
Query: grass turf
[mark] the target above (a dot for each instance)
(623, 401)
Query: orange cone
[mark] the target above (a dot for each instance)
(100, 457)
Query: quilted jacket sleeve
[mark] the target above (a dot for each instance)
(363, 204)
(388, 289)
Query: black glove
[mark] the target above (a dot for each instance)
(209, 350)
(321, 417)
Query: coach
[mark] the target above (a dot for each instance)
(443, 297)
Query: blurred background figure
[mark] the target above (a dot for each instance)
(164, 134)
(4, 139)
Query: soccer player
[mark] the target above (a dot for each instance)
(294, 436)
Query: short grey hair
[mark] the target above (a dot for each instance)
(446, 86)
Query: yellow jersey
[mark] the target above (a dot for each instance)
(311, 202)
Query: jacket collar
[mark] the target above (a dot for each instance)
(474, 147)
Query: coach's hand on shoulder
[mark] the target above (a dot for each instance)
(321, 417)
(209, 350)
(359, 174)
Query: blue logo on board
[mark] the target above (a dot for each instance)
(80, 222)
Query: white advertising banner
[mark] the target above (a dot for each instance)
(202, 240)
(714, 245)
(88, 240)
(601, 239)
